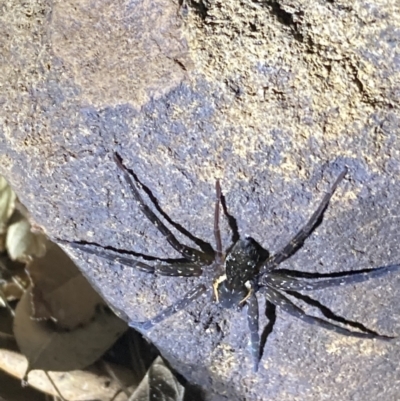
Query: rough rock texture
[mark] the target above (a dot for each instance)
(274, 98)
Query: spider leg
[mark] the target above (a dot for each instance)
(285, 279)
(231, 220)
(203, 245)
(331, 315)
(188, 252)
(106, 254)
(298, 240)
(289, 307)
(179, 270)
(187, 299)
(217, 232)
(219, 256)
(176, 267)
(252, 320)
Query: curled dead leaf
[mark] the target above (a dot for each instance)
(60, 292)
(49, 348)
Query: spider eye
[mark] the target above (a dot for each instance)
(255, 249)
(248, 249)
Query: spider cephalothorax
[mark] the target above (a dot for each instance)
(241, 267)
(246, 270)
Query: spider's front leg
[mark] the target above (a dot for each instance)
(205, 256)
(187, 266)
(164, 267)
(298, 240)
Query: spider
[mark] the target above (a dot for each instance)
(243, 271)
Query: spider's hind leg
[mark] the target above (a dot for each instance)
(289, 307)
(257, 343)
(252, 320)
(187, 299)
(292, 280)
(333, 316)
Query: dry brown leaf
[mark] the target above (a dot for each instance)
(60, 291)
(12, 291)
(6, 321)
(49, 348)
(13, 279)
(77, 385)
(3, 242)
(22, 244)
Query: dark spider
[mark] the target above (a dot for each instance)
(245, 270)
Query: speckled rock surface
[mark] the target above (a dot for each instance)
(273, 98)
